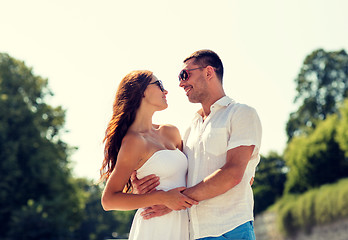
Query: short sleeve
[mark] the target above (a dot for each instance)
(245, 128)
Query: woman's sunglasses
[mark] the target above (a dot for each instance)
(159, 84)
(184, 74)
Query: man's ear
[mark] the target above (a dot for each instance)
(210, 71)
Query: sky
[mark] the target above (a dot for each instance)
(84, 48)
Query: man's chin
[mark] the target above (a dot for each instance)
(192, 100)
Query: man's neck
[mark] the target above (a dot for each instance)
(205, 111)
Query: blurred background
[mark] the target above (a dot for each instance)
(60, 65)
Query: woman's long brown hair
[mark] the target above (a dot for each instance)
(127, 101)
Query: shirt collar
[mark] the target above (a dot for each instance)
(222, 102)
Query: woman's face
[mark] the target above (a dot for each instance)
(155, 94)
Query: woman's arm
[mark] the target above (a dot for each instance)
(127, 161)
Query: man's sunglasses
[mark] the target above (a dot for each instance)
(159, 84)
(184, 74)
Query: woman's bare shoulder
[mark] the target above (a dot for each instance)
(171, 132)
(169, 128)
(133, 144)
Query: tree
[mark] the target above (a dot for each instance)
(39, 199)
(342, 129)
(316, 158)
(269, 181)
(97, 223)
(322, 84)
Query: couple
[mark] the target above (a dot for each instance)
(215, 161)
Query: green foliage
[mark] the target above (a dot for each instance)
(97, 223)
(322, 84)
(315, 159)
(286, 219)
(317, 206)
(269, 181)
(317, 150)
(39, 199)
(342, 129)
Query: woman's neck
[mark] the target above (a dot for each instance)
(142, 122)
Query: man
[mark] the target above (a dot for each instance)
(222, 146)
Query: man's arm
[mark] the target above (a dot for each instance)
(224, 178)
(215, 184)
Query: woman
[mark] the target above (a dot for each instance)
(133, 142)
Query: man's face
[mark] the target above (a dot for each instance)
(194, 85)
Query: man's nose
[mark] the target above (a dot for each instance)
(181, 83)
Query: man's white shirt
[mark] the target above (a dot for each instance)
(206, 143)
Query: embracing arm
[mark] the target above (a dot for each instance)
(215, 184)
(127, 161)
(225, 177)
(172, 199)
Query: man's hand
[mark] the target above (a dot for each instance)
(251, 181)
(155, 211)
(145, 185)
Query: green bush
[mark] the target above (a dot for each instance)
(342, 196)
(286, 219)
(325, 204)
(305, 210)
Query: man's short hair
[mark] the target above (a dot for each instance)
(206, 58)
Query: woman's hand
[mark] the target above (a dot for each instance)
(175, 200)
